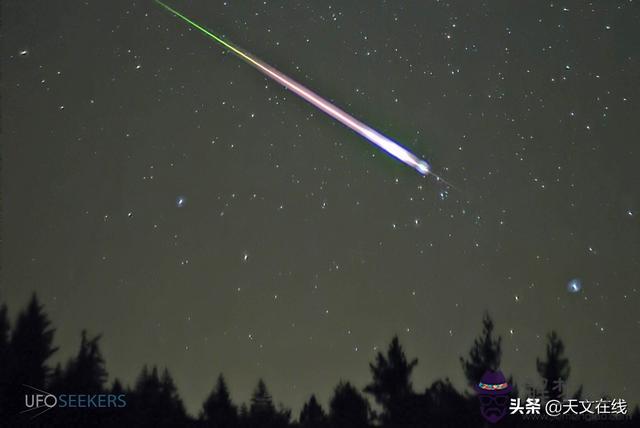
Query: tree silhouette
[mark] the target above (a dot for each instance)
(348, 408)
(4, 361)
(262, 412)
(117, 416)
(261, 402)
(555, 369)
(5, 326)
(86, 372)
(243, 416)
(155, 401)
(443, 405)
(30, 347)
(218, 410)
(485, 354)
(391, 386)
(312, 415)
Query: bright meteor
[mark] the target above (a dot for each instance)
(385, 143)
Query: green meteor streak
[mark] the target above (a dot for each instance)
(209, 33)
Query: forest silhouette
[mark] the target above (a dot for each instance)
(153, 400)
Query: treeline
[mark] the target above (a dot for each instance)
(153, 400)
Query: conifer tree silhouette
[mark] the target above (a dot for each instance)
(261, 402)
(391, 386)
(443, 405)
(117, 416)
(348, 408)
(5, 327)
(155, 401)
(485, 354)
(86, 372)
(312, 415)
(31, 347)
(555, 369)
(243, 416)
(218, 411)
(32, 344)
(263, 413)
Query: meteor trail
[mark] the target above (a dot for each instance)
(385, 143)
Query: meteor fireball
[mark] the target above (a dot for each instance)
(388, 145)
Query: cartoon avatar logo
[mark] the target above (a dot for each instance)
(493, 393)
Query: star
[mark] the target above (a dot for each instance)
(574, 285)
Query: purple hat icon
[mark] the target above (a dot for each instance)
(493, 391)
(492, 383)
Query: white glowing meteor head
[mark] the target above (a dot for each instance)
(423, 167)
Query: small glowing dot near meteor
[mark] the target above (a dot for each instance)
(574, 285)
(381, 141)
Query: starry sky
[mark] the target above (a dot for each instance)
(166, 194)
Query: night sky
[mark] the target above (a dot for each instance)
(166, 194)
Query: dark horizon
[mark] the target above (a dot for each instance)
(193, 403)
(486, 336)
